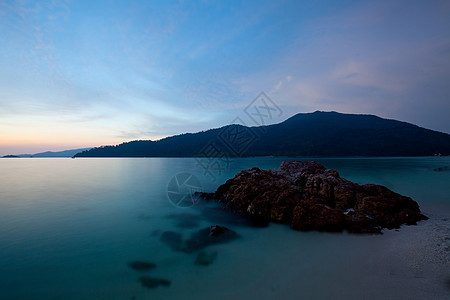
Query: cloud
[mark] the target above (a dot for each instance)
(385, 58)
(354, 74)
(147, 69)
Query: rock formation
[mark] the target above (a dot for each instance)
(308, 196)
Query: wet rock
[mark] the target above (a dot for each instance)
(153, 282)
(216, 231)
(205, 259)
(141, 265)
(308, 196)
(317, 216)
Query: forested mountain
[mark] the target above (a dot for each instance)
(306, 134)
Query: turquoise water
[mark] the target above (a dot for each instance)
(69, 227)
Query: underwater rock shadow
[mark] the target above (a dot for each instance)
(442, 169)
(205, 259)
(141, 265)
(220, 214)
(217, 214)
(199, 240)
(153, 282)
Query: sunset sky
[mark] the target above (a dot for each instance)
(88, 73)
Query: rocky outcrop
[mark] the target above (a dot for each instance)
(308, 196)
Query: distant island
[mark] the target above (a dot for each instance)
(318, 134)
(64, 153)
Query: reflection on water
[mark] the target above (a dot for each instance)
(71, 227)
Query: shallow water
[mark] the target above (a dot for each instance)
(69, 228)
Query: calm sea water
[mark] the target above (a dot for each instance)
(69, 227)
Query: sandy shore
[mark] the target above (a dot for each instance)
(278, 263)
(410, 263)
(419, 258)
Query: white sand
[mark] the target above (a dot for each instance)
(412, 263)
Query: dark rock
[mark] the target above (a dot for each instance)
(141, 265)
(308, 196)
(317, 216)
(344, 194)
(205, 259)
(153, 282)
(216, 231)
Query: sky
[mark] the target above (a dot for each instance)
(77, 74)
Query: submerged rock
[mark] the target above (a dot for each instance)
(205, 259)
(172, 239)
(141, 265)
(153, 282)
(198, 240)
(224, 216)
(441, 169)
(208, 236)
(308, 196)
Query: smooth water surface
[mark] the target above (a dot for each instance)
(69, 227)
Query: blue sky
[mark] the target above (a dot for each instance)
(90, 73)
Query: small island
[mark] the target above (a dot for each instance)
(308, 196)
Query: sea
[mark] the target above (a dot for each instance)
(69, 229)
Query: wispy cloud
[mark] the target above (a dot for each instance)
(149, 69)
(385, 58)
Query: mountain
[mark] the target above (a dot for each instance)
(305, 134)
(65, 153)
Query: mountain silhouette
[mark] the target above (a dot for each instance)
(64, 153)
(304, 134)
